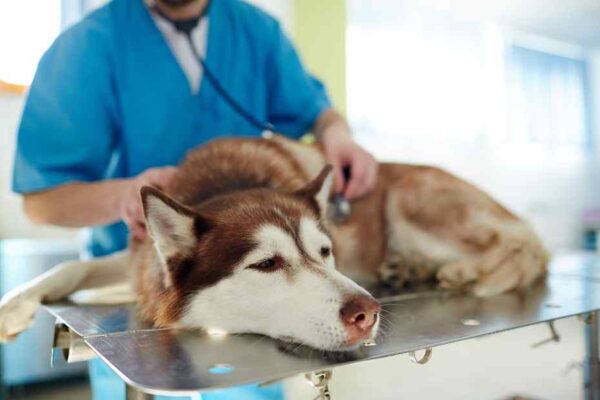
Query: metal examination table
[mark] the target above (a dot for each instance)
(165, 361)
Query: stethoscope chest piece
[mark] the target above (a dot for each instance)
(340, 209)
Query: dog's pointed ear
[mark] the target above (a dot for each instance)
(319, 188)
(174, 228)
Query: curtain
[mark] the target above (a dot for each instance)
(422, 78)
(546, 100)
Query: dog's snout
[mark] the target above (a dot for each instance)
(359, 315)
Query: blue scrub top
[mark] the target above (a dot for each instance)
(110, 100)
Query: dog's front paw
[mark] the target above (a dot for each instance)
(458, 274)
(16, 315)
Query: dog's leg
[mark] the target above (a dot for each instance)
(508, 266)
(18, 307)
(475, 241)
(397, 272)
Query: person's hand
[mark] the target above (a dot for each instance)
(341, 152)
(131, 205)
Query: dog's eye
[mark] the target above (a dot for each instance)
(325, 251)
(268, 264)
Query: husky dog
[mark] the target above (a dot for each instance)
(241, 241)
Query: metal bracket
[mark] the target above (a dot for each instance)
(555, 337)
(70, 345)
(423, 360)
(591, 364)
(320, 381)
(132, 393)
(586, 318)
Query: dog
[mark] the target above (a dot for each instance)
(240, 241)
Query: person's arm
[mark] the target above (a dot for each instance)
(332, 130)
(298, 103)
(79, 204)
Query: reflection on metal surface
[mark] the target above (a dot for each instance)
(423, 360)
(217, 333)
(220, 369)
(270, 382)
(86, 320)
(550, 305)
(178, 362)
(470, 322)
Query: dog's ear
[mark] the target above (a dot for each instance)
(174, 228)
(319, 188)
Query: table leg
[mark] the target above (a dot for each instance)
(591, 367)
(134, 394)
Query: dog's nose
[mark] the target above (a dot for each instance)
(359, 315)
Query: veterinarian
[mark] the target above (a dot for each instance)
(119, 98)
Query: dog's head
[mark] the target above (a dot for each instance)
(260, 261)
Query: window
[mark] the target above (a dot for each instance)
(420, 78)
(546, 100)
(28, 28)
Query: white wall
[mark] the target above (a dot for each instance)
(13, 222)
(594, 76)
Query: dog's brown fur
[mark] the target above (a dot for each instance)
(408, 199)
(239, 208)
(488, 245)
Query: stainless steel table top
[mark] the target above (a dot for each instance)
(182, 362)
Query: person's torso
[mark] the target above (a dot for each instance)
(159, 117)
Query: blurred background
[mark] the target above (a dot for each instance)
(505, 93)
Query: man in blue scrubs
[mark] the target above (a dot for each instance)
(118, 100)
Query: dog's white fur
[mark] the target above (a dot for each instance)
(303, 309)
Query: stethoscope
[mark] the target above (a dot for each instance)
(341, 207)
(186, 27)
